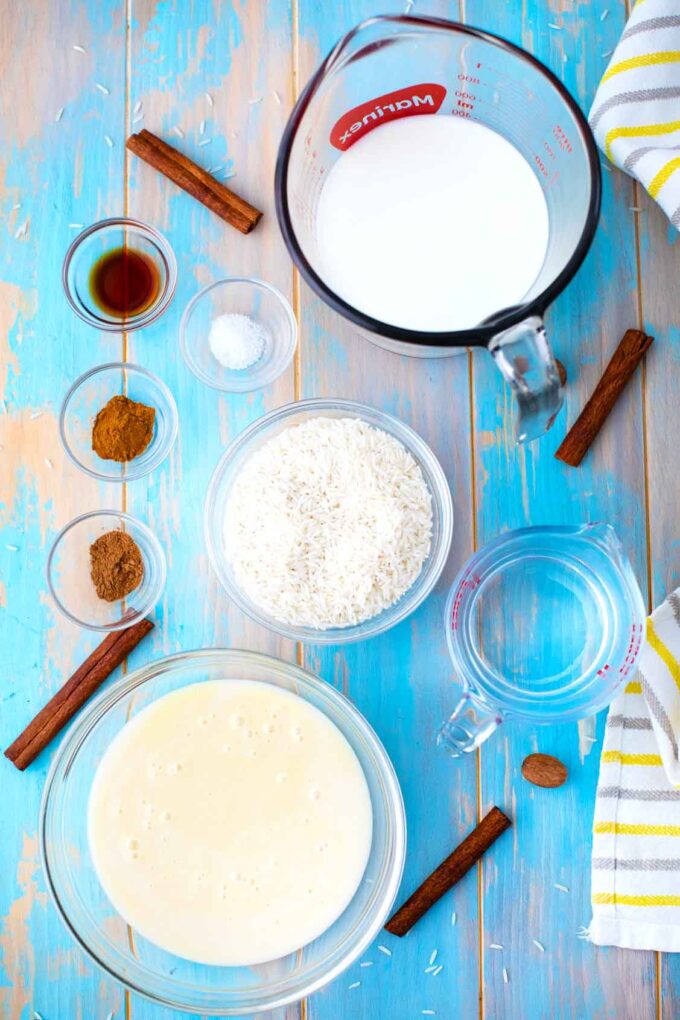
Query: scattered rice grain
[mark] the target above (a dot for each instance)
(604, 15)
(433, 956)
(505, 976)
(76, 226)
(136, 119)
(257, 99)
(607, 53)
(201, 128)
(385, 950)
(562, 888)
(177, 131)
(437, 970)
(454, 918)
(355, 984)
(36, 414)
(427, 1012)
(21, 230)
(209, 99)
(539, 945)
(49, 464)
(102, 88)
(137, 107)
(59, 114)
(277, 97)
(551, 24)
(428, 970)
(17, 205)
(366, 963)
(109, 141)
(12, 548)
(495, 945)
(206, 141)
(79, 49)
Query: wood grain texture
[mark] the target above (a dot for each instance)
(167, 55)
(552, 831)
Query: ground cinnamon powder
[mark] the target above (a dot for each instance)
(116, 565)
(122, 429)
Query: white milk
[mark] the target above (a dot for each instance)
(230, 822)
(431, 223)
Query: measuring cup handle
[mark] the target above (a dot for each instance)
(524, 357)
(468, 726)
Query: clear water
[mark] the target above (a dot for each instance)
(546, 622)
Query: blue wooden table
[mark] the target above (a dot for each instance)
(76, 79)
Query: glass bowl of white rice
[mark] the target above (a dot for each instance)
(328, 521)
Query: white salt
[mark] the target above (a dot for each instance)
(237, 341)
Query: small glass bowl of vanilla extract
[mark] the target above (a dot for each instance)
(119, 274)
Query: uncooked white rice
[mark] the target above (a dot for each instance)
(344, 530)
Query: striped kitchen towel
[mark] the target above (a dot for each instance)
(636, 113)
(636, 841)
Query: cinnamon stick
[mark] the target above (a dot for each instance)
(449, 872)
(75, 692)
(195, 180)
(625, 360)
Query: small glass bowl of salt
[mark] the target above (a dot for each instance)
(238, 334)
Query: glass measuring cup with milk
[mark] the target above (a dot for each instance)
(438, 187)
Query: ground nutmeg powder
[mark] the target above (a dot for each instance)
(122, 429)
(116, 565)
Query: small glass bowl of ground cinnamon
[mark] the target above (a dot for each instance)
(106, 570)
(118, 422)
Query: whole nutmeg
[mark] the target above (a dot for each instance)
(544, 770)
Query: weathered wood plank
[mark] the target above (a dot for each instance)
(660, 306)
(516, 487)
(401, 680)
(54, 172)
(241, 56)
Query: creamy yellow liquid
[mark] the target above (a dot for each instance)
(230, 822)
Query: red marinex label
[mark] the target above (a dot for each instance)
(408, 102)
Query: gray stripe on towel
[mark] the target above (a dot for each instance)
(659, 713)
(623, 721)
(664, 21)
(637, 154)
(674, 603)
(633, 96)
(622, 793)
(637, 864)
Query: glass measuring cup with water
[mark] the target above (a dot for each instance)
(389, 68)
(543, 624)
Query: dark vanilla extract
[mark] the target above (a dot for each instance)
(124, 282)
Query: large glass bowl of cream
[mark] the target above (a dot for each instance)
(236, 784)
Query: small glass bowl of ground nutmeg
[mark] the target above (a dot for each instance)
(118, 422)
(106, 570)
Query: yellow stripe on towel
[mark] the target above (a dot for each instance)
(631, 759)
(636, 901)
(633, 687)
(643, 60)
(636, 829)
(638, 131)
(657, 184)
(653, 639)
